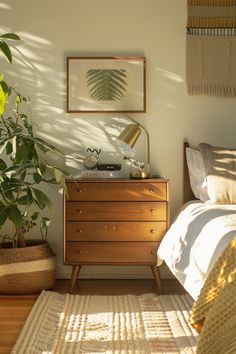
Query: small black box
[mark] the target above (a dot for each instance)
(109, 166)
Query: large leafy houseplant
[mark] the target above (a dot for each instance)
(22, 164)
(27, 266)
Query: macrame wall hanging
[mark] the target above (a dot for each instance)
(211, 47)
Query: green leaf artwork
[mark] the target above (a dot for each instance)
(106, 84)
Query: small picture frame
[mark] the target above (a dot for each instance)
(106, 84)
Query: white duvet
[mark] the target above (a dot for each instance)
(195, 240)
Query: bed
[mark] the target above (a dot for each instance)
(200, 246)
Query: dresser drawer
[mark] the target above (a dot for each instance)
(116, 211)
(111, 252)
(118, 191)
(115, 231)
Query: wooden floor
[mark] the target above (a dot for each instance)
(15, 309)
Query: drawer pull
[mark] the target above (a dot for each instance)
(152, 231)
(79, 190)
(79, 231)
(153, 252)
(79, 211)
(151, 190)
(80, 252)
(152, 211)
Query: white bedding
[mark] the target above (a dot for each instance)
(195, 240)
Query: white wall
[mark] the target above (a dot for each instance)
(53, 29)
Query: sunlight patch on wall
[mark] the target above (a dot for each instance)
(170, 105)
(169, 75)
(32, 38)
(4, 6)
(48, 136)
(29, 54)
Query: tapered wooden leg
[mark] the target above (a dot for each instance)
(156, 274)
(74, 276)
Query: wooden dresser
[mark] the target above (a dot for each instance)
(114, 222)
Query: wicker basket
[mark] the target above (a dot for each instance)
(27, 270)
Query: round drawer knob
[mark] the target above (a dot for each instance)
(152, 231)
(79, 190)
(79, 211)
(151, 190)
(152, 211)
(80, 252)
(79, 231)
(153, 252)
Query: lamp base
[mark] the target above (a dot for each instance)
(139, 175)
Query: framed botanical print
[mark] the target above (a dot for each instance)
(106, 84)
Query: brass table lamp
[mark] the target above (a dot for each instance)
(129, 136)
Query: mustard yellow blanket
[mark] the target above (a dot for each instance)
(214, 312)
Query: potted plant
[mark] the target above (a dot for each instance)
(26, 266)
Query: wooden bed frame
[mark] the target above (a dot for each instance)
(187, 191)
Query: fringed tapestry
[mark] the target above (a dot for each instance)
(211, 47)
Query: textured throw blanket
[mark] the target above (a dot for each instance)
(214, 312)
(211, 47)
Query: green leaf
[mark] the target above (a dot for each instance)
(33, 155)
(18, 98)
(34, 215)
(3, 214)
(6, 51)
(3, 100)
(23, 200)
(3, 218)
(21, 154)
(42, 148)
(59, 175)
(3, 165)
(14, 170)
(47, 145)
(14, 147)
(15, 216)
(12, 36)
(45, 222)
(60, 178)
(3, 146)
(6, 88)
(22, 167)
(37, 177)
(41, 169)
(22, 176)
(29, 196)
(9, 147)
(9, 195)
(9, 187)
(41, 199)
(42, 145)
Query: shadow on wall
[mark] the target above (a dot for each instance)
(38, 73)
(39, 70)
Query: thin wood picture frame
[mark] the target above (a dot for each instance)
(106, 84)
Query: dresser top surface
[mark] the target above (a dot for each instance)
(117, 180)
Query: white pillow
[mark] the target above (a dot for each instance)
(197, 177)
(220, 172)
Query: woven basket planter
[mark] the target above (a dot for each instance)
(27, 270)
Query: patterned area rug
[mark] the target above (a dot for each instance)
(142, 324)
